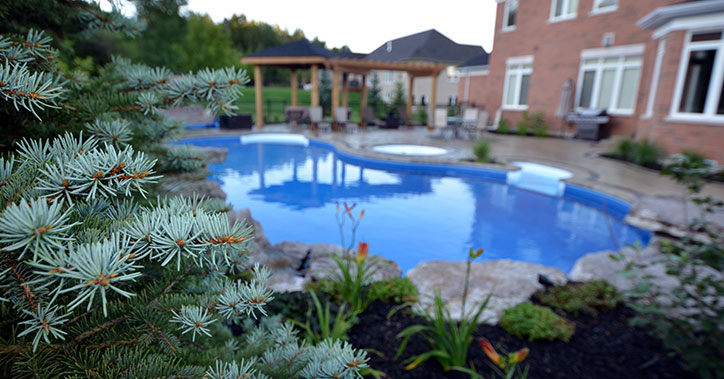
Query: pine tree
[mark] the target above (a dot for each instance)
(97, 277)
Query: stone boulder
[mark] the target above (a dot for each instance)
(212, 154)
(666, 215)
(508, 283)
(600, 266)
(288, 274)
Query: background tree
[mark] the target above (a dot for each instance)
(165, 29)
(374, 98)
(206, 45)
(399, 98)
(325, 92)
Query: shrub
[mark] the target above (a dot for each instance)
(647, 153)
(503, 126)
(482, 151)
(522, 130)
(397, 290)
(644, 153)
(540, 132)
(421, 114)
(535, 322)
(582, 297)
(688, 318)
(624, 149)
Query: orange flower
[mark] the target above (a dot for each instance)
(520, 355)
(348, 209)
(490, 351)
(361, 214)
(475, 254)
(362, 250)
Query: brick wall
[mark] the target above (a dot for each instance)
(556, 47)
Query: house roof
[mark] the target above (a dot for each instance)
(478, 60)
(350, 54)
(429, 45)
(662, 15)
(299, 48)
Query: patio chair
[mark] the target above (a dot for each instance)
(474, 122)
(316, 118)
(439, 122)
(341, 117)
(296, 115)
(404, 117)
(369, 117)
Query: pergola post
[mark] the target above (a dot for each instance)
(363, 102)
(293, 84)
(335, 92)
(433, 97)
(409, 99)
(259, 96)
(345, 90)
(315, 86)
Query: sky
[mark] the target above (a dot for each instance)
(364, 25)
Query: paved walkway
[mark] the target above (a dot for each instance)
(623, 180)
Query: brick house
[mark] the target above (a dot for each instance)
(657, 66)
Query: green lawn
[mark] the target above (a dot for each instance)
(275, 99)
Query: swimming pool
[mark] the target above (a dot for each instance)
(415, 212)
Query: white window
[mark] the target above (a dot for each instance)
(510, 13)
(610, 82)
(389, 78)
(564, 9)
(604, 5)
(517, 83)
(452, 74)
(698, 94)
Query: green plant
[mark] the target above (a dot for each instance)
(580, 297)
(482, 151)
(523, 125)
(687, 318)
(397, 290)
(540, 132)
(624, 149)
(449, 340)
(323, 327)
(503, 126)
(421, 114)
(535, 322)
(354, 273)
(643, 152)
(647, 153)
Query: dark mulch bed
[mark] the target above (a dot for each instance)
(602, 347)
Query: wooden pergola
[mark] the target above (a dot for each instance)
(303, 54)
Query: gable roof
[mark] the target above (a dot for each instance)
(429, 45)
(299, 48)
(478, 60)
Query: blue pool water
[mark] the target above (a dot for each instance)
(415, 212)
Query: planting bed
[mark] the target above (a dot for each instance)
(604, 346)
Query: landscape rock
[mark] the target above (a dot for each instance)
(600, 266)
(285, 259)
(666, 215)
(508, 283)
(212, 154)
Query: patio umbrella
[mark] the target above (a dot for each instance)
(565, 105)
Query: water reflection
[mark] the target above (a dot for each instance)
(293, 191)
